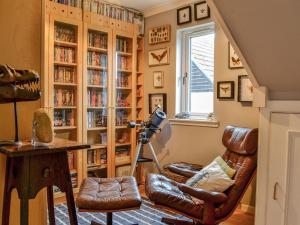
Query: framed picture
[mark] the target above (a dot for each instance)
(160, 34)
(202, 10)
(159, 57)
(245, 89)
(158, 79)
(234, 61)
(225, 90)
(184, 15)
(159, 99)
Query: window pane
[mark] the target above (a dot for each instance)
(202, 73)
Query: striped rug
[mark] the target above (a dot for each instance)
(146, 215)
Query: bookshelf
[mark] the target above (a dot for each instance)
(91, 78)
(65, 85)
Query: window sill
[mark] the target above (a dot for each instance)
(195, 122)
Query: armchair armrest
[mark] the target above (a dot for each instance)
(184, 169)
(206, 196)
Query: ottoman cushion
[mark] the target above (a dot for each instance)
(109, 194)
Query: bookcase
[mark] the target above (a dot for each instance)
(92, 86)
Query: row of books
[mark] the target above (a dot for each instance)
(97, 40)
(96, 157)
(122, 155)
(97, 77)
(122, 80)
(64, 97)
(123, 45)
(122, 99)
(121, 118)
(74, 3)
(64, 54)
(96, 118)
(123, 63)
(64, 74)
(97, 98)
(97, 59)
(64, 33)
(64, 117)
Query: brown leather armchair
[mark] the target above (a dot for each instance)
(214, 207)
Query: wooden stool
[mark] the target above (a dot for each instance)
(108, 195)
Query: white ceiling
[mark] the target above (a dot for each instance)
(151, 7)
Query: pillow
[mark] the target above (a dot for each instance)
(211, 178)
(227, 169)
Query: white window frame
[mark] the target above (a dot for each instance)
(186, 36)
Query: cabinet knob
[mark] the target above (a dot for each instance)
(275, 191)
(46, 172)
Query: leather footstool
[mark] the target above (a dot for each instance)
(108, 195)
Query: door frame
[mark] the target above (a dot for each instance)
(285, 107)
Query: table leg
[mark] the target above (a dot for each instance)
(24, 212)
(6, 205)
(51, 212)
(109, 218)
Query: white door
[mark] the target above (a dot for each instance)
(283, 164)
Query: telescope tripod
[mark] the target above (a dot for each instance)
(138, 152)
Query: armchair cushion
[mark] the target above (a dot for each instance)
(211, 178)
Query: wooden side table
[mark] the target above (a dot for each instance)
(31, 168)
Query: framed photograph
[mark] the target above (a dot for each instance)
(158, 79)
(225, 90)
(202, 10)
(184, 15)
(159, 57)
(160, 34)
(245, 89)
(158, 99)
(234, 61)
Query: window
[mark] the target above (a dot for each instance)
(197, 79)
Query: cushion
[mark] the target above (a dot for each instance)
(227, 169)
(211, 178)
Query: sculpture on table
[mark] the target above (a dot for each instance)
(42, 127)
(18, 86)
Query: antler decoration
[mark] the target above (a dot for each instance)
(159, 57)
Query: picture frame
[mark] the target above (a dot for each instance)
(160, 34)
(158, 79)
(184, 15)
(159, 57)
(201, 10)
(245, 89)
(234, 61)
(225, 90)
(156, 99)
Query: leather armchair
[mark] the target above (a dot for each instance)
(213, 207)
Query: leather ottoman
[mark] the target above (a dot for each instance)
(108, 195)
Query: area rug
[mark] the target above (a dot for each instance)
(146, 215)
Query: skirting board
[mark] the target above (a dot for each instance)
(247, 208)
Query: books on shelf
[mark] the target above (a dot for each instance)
(96, 118)
(122, 100)
(121, 117)
(122, 80)
(96, 157)
(64, 54)
(97, 40)
(97, 98)
(123, 63)
(64, 97)
(74, 3)
(97, 77)
(122, 155)
(96, 59)
(123, 137)
(64, 117)
(64, 33)
(64, 74)
(122, 45)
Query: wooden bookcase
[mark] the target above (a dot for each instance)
(97, 85)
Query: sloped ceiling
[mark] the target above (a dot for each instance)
(267, 33)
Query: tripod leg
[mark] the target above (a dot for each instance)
(137, 153)
(154, 157)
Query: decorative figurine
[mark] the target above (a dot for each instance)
(41, 127)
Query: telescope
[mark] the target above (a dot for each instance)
(147, 130)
